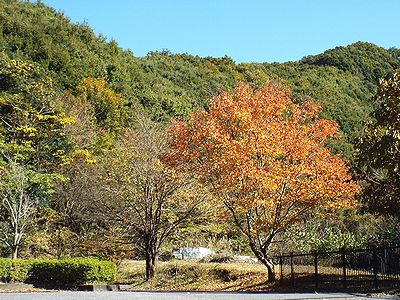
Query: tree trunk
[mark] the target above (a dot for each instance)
(151, 262)
(269, 265)
(265, 260)
(271, 272)
(15, 252)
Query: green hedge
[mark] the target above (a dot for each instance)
(72, 271)
(69, 271)
(14, 270)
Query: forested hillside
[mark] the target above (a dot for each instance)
(172, 85)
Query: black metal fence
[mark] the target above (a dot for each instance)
(372, 268)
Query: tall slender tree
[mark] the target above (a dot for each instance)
(18, 205)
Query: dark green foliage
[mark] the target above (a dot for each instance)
(14, 270)
(172, 85)
(175, 85)
(378, 154)
(364, 60)
(72, 271)
(34, 31)
(166, 85)
(58, 272)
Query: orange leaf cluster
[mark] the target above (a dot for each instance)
(262, 151)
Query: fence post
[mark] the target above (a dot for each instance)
(292, 269)
(375, 267)
(281, 268)
(343, 256)
(316, 269)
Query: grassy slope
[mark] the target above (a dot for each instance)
(193, 275)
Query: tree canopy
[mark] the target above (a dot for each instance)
(31, 124)
(266, 158)
(379, 150)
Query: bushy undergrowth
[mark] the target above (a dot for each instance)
(57, 272)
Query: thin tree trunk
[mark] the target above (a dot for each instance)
(15, 252)
(148, 254)
(15, 243)
(154, 263)
(151, 263)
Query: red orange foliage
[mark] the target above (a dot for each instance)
(265, 156)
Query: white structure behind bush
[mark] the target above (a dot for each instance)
(191, 253)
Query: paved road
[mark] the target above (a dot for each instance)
(181, 296)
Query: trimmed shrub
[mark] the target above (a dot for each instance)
(72, 271)
(14, 270)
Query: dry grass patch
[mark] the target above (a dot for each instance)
(193, 275)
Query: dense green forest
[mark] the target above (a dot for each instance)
(68, 96)
(172, 85)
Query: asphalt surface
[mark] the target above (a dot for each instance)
(183, 296)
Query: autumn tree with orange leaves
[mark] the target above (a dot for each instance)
(265, 156)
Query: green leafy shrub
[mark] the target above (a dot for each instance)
(72, 271)
(57, 272)
(320, 238)
(14, 270)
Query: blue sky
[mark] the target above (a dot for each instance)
(246, 30)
